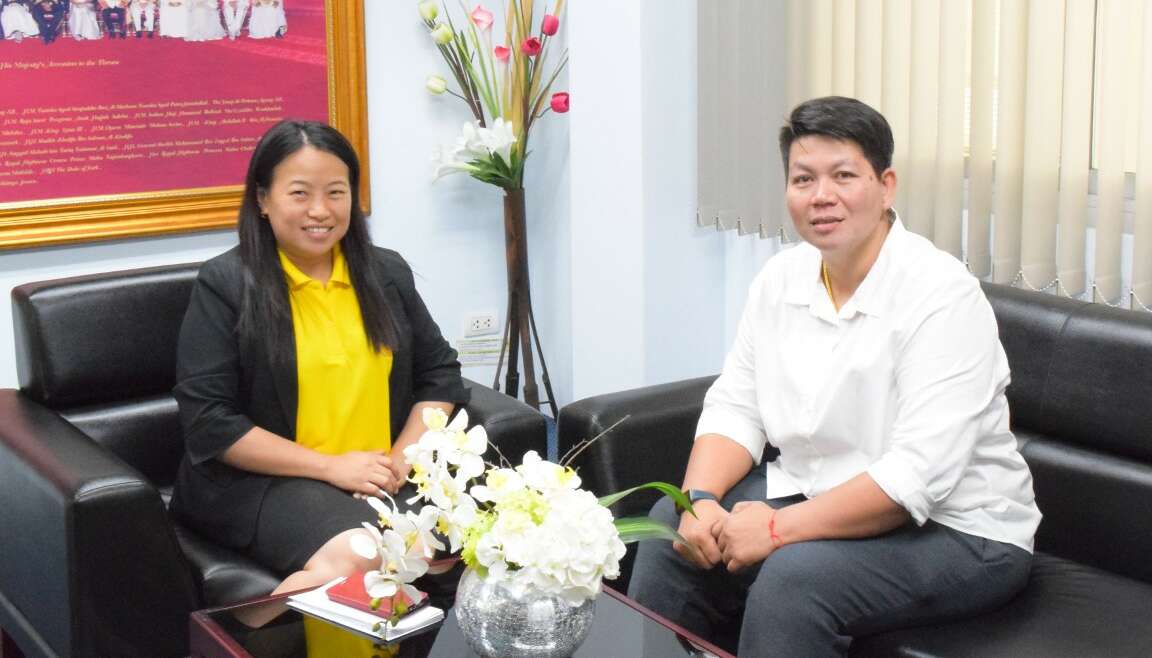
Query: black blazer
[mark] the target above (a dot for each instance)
(224, 390)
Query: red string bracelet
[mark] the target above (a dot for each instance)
(777, 542)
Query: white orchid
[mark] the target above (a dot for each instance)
(499, 483)
(446, 491)
(482, 152)
(436, 419)
(498, 139)
(447, 163)
(545, 475)
(418, 529)
(527, 527)
(452, 523)
(399, 566)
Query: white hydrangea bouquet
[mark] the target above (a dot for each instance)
(528, 527)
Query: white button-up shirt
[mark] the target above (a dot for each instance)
(906, 382)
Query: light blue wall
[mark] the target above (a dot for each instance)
(627, 290)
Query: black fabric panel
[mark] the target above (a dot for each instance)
(1097, 507)
(1030, 325)
(1068, 610)
(103, 337)
(1099, 391)
(144, 433)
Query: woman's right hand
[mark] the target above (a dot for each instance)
(699, 531)
(362, 472)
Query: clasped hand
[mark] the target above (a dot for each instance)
(363, 472)
(737, 539)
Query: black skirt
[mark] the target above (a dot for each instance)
(299, 515)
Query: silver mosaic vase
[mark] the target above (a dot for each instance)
(499, 624)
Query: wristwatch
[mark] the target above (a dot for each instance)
(697, 495)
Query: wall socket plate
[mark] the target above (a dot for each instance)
(481, 323)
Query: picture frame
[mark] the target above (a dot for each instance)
(126, 214)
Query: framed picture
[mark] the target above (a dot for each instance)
(137, 117)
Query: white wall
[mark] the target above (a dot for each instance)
(27, 265)
(647, 284)
(627, 291)
(452, 231)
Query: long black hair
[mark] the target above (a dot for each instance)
(266, 314)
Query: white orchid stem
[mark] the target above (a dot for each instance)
(575, 451)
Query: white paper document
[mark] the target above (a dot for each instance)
(317, 604)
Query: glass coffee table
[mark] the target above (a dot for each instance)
(621, 628)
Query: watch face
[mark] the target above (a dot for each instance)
(695, 495)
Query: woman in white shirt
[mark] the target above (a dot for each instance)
(173, 18)
(268, 19)
(82, 20)
(17, 22)
(204, 21)
(872, 362)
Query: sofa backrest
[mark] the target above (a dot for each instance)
(1081, 405)
(101, 351)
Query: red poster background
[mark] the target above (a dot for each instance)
(122, 116)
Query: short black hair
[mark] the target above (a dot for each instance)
(840, 118)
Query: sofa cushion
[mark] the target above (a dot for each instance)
(1068, 609)
(225, 576)
(144, 432)
(1099, 384)
(1077, 370)
(1030, 325)
(1097, 507)
(99, 338)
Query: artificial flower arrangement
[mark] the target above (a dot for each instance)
(528, 527)
(506, 87)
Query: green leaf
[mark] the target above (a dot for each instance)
(635, 528)
(672, 492)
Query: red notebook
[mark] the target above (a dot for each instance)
(351, 593)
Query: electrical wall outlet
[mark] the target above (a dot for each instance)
(481, 324)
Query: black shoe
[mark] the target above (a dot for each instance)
(123, 35)
(151, 33)
(139, 34)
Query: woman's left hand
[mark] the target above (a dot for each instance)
(744, 538)
(400, 468)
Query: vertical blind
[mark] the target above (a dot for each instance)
(1023, 128)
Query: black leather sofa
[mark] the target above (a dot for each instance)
(90, 562)
(1081, 404)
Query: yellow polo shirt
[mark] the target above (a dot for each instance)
(342, 381)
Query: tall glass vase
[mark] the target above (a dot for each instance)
(520, 334)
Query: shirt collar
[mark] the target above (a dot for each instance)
(298, 279)
(808, 289)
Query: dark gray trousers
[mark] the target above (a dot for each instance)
(811, 598)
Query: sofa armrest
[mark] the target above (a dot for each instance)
(512, 426)
(86, 548)
(652, 444)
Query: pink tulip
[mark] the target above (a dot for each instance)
(560, 102)
(530, 47)
(482, 18)
(501, 53)
(550, 24)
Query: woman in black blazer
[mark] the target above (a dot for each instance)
(244, 481)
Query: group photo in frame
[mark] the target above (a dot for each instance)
(115, 124)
